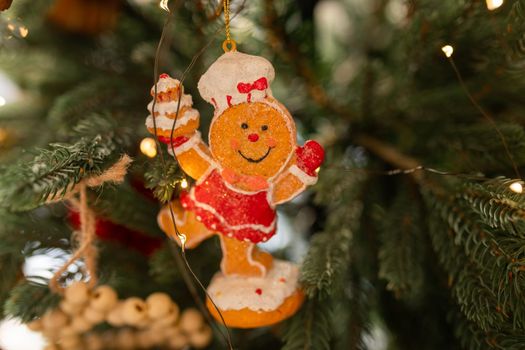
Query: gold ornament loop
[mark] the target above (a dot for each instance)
(229, 45)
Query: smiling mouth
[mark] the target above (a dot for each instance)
(251, 160)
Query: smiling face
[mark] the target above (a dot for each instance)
(252, 139)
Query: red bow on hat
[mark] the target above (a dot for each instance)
(259, 84)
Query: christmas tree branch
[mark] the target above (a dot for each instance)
(30, 300)
(390, 154)
(515, 36)
(285, 47)
(53, 173)
(484, 261)
(402, 251)
(125, 206)
(474, 338)
(311, 328)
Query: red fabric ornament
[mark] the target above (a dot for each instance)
(111, 232)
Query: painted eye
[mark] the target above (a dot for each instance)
(264, 127)
(244, 126)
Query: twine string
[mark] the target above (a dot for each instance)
(85, 237)
(86, 249)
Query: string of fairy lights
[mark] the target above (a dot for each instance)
(448, 50)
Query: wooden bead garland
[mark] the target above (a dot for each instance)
(141, 324)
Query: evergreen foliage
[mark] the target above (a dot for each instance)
(427, 261)
(30, 300)
(162, 178)
(310, 328)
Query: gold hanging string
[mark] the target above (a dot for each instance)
(226, 4)
(228, 44)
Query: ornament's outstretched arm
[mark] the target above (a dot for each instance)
(301, 173)
(192, 154)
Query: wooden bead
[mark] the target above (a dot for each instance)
(159, 305)
(77, 293)
(201, 338)
(178, 341)
(52, 335)
(145, 323)
(157, 337)
(93, 316)
(80, 324)
(70, 309)
(68, 331)
(93, 342)
(35, 325)
(54, 319)
(191, 320)
(144, 340)
(114, 317)
(134, 311)
(70, 343)
(173, 331)
(103, 299)
(126, 339)
(168, 320)
(110, 338)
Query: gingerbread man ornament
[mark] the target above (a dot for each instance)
(252, 164)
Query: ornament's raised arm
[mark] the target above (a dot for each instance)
(192, 154)
(301, 173)
(172, 106)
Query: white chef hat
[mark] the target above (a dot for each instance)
(236, 78)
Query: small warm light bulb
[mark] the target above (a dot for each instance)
(184, 183)
(516, 187)
(164, 5)
(447, 50)
(23, 31)
(317, 170)
(182, 238)
(2, 101)
(148, 147)
(494, 4)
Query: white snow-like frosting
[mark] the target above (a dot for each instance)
(239, 292)
(166, 123)
(232, 68)
(171, 106)
(164, 84)
(303, 177)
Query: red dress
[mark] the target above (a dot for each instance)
(246, 216)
